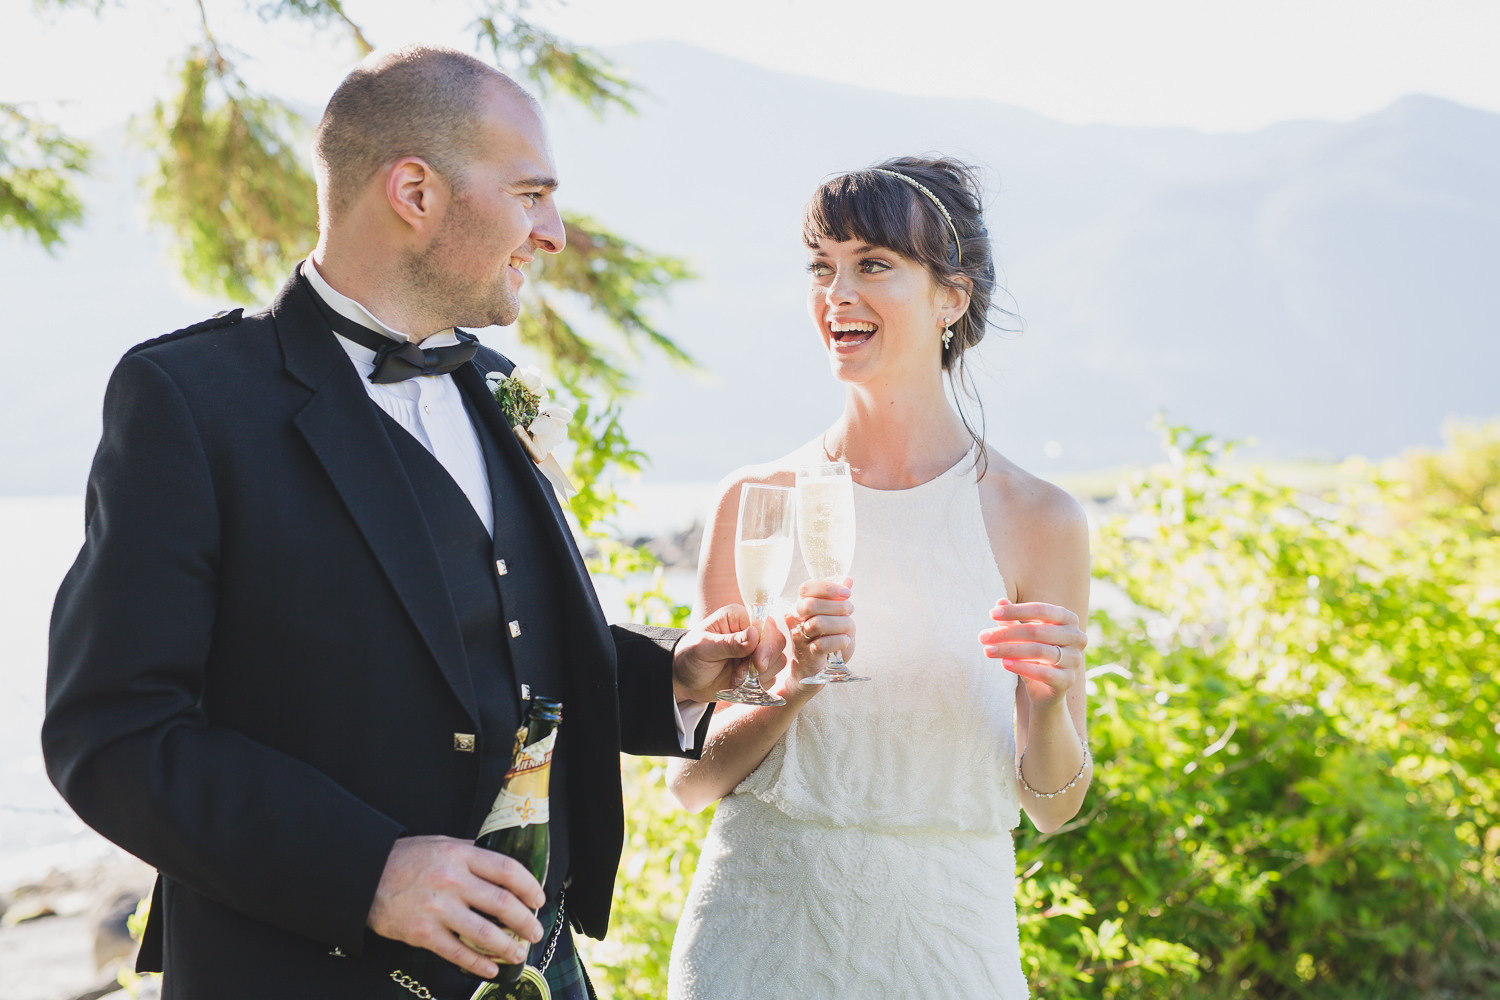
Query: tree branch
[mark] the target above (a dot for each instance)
(221, 65)
(360, 41)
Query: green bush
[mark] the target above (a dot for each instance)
(1296, 735)
(656, 868)
(1297, 744)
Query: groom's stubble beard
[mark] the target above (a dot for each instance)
(438, 287)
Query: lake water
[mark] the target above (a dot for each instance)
(37, 830)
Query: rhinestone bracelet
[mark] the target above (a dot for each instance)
(1087, 759)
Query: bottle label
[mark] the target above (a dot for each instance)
(523, 796)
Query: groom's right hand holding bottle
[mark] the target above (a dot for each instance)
(436, 890)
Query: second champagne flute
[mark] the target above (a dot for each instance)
(762, 558)
(825, 530)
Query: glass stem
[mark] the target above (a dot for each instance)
(757, 618)
(835, 658)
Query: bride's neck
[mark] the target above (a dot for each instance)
(896, 437)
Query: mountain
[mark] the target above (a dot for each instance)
(1325, 288)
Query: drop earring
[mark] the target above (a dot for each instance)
(947, 333)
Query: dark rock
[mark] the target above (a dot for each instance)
(110, 926)
(678, 550)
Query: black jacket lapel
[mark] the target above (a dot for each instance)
(343, 428)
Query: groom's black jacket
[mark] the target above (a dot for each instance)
(257, 673)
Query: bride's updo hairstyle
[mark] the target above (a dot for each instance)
(875, 208)
(886, 211)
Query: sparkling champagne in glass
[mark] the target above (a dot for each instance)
(762, 559)
(825, 530)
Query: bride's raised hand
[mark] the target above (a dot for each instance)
(820, 624)
(1041, 643)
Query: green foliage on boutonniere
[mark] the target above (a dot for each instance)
(520, 394)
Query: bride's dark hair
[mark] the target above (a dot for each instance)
(886, 211)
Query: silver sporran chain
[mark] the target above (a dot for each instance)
(557, 925)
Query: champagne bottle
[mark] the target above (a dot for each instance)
(517, 826)
(518, 821)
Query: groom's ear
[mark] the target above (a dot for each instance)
(415, 192)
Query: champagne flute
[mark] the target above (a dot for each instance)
(762, 559)
(825, 530)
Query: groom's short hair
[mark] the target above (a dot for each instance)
(418, 100)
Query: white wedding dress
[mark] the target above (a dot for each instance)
(870, 856)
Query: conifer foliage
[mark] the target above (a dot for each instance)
(39, 166)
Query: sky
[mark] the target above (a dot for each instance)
(1203, 64)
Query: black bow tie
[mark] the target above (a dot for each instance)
(399, 360)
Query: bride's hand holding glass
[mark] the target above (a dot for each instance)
(820, 624)
(825, 533)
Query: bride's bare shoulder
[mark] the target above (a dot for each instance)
(1026, 502)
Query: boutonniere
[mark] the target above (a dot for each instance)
(540, 425)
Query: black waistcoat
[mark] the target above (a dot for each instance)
(507, 605)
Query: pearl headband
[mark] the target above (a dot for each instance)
(957, 246)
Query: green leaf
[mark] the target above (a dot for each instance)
(229, 185)
(320, 13)
(525, 50)
(38, 165)
(612, 278)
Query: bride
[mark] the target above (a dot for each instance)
(863, 845)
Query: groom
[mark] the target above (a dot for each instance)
(321, 579)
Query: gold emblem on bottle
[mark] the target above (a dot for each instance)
(523, 795)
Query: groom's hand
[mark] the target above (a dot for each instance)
(433, 891)
(719, 654)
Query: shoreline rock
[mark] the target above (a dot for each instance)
(62, 936)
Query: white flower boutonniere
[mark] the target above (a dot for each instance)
(539, 424)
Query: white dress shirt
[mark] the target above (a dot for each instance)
(431, 408)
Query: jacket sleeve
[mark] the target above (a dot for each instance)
(126, 739)
(648, 721)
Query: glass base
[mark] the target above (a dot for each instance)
(834, 672)
(826, 676)
(746, 695)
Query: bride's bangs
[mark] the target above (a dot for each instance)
(872, 209)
